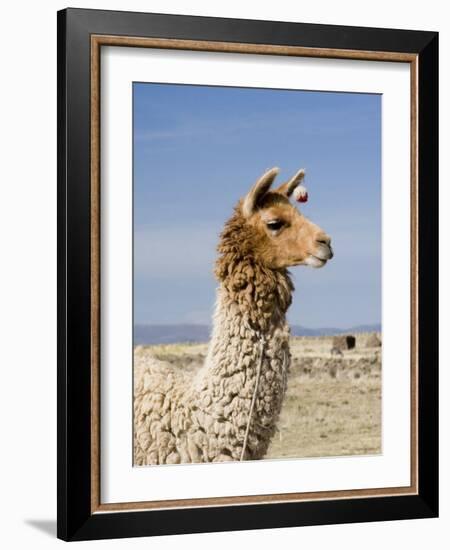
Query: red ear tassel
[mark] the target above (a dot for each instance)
(300, 194)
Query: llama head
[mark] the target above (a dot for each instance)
(281, 236)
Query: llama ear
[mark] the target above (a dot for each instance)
(288, 187)
(258, 190)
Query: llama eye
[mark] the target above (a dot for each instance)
(275, 225)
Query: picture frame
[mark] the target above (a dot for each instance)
(81, 36)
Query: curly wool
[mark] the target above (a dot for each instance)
(180, 418)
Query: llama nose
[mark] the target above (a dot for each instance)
(323, 238)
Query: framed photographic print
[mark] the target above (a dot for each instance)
(247, 254)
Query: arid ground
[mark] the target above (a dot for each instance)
(333, 401)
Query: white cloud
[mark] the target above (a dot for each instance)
(303, 122)
(175, 252)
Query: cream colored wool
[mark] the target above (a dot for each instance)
(204, 419)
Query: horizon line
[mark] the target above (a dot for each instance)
(147, 324)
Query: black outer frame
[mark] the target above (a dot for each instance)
(75, 521)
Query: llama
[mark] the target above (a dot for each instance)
(228, 410)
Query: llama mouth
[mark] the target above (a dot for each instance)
(314, 261)
(322, 255)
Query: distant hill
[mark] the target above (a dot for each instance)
(172, 334)
(297, 330)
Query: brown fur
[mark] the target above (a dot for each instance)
(260, 292)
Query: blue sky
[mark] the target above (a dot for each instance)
(198, 149)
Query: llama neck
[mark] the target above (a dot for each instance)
(251, 306)
(227, 381)
(238, 332)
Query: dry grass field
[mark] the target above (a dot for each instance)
(333, 402)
